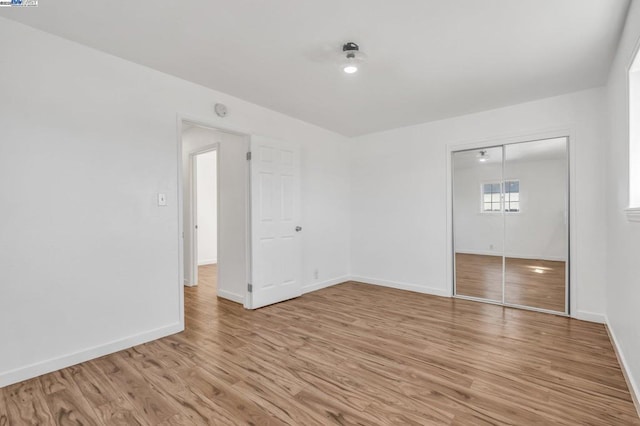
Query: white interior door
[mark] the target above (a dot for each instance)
(276, 256)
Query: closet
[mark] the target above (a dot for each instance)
(511, 224)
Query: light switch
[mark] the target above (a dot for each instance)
(162, 199)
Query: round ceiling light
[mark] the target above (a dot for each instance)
(350, 69)
(352, 57)
(483, 156)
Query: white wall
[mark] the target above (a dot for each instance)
(207, 196)
(634, 134)
(89, 261)
(399, 194)
(233, 207)
(538, 231)
(623, 279)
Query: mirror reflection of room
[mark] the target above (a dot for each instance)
(511, 224)
(478, 223)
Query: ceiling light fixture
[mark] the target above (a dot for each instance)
(350, 69)
(352, 57)
(483, 156)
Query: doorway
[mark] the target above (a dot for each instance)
(215, 181)
(510, 209)
(205, 215)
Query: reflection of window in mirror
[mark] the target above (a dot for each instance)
(512, 196)
(491, 197)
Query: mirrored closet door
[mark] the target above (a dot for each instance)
(478, 223)
(511, 223)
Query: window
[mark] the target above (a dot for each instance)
(492, 197)
(512, 196)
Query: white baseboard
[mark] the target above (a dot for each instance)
(188, 284)
(589, 316)
(512, 255)
(207, 262)
(403, 286)
(480, 252)
(37, 369)
(634, 389)
(234, 297)
(308, 288)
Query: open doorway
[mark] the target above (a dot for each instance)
(215, 211)
(205, 216)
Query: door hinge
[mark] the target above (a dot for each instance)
(250, 288)
(249, 156)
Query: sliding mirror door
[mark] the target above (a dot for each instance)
(478, 223)
(511, 224)
(536, 224)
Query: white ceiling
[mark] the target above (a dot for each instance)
(428, 59)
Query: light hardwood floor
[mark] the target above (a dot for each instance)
(528, 282)
(349, 354)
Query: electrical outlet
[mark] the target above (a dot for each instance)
(315, 274)
(490, 246)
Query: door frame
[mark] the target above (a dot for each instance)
(193, 205)
(562, 132)
(181, 119)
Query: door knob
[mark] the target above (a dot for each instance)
(298, 228)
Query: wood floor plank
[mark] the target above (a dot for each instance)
(348, 354)
(367, 379)
(119, 412)
(333, 411)
(4, 411)
(94, 385)
(70, 408)
(176, 393)
(178, 420)
(55, 382)
(232, 405)
(65, 399)
(27, 405)
(147, 401)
